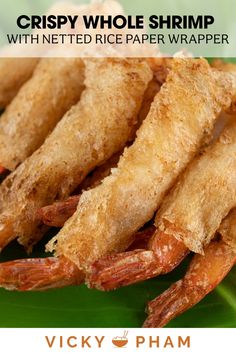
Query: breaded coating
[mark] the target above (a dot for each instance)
(182, 114)
(55, 86)
(97, 175)
(14, 72)
(153, 88)
(57, 213)
(203, 196)
(226, 67)
(90, 133)
(228, 229)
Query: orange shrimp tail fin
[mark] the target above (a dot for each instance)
(122, 269)
(163, 255)
(204, 274)
(58, 213)
(39, 274)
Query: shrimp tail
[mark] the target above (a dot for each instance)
(39, 274)
(57, 213)
(204, 274)
(162, 255)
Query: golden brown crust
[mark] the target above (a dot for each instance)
(97, 175)
(14, 72)
(58, 213)
(224, 66)
(228, 229)
(152, 89)
(203, 196)
(159, 68)
(183, 111)
(91, 131)
(56, 85)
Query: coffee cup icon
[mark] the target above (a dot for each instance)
(120, 342)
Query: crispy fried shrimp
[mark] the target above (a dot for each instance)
(208, 188)
(57, 213)
(180, 229)
(14, 72)
(55, 86)
(76, 146)
(108, 216)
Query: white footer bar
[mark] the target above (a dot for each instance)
(110, 340)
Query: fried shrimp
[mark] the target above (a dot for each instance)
(55, 86)
(14, 72)
(204, 274)
(214, 189)
(183, 111)
(89, 134)
(181, 228)
(108, 216)
(57, 213)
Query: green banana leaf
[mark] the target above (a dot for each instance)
(77, 306)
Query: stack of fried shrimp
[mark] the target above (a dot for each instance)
(118, 142)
